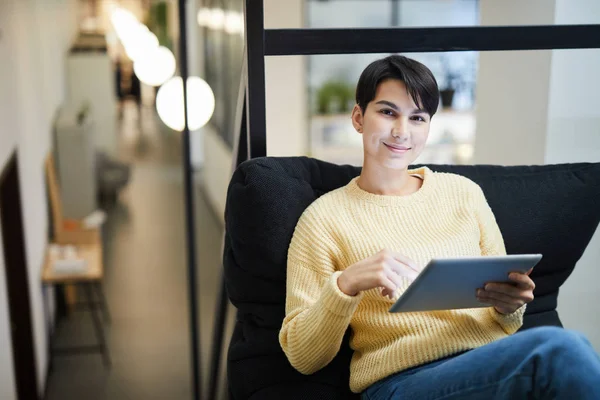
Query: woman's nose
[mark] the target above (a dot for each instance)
(400, 128)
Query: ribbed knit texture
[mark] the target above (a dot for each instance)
(447, 217)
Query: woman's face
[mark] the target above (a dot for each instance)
(394, 129)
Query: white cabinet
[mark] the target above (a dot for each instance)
(74, 154)
(91, 80)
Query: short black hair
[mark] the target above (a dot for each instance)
(419, 81)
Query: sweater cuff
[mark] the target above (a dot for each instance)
(338, 302)
(510, 323)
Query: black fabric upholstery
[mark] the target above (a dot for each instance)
(553, 210)
(300, 391)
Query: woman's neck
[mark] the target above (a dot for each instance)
(388, 182)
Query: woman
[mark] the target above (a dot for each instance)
(357, 248)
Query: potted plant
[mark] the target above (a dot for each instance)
(451, 82)
(334, 97)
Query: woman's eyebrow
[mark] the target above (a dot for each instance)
(389, 104)
(395, 107)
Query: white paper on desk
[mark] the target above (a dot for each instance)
(70, 266)
(94, 220)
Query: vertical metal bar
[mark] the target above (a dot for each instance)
(242, 153)
(217, 342)
(103, 303)
(189, 208)
(240, 147)
(255, 83)
(97, 322)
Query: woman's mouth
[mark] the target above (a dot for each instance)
(396, 148)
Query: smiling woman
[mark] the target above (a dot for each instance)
(396, 98)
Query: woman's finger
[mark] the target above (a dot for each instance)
(501, 297)
(404, 270)
(506, 288)
(387, 293)
(503, 307)
(406, 261)
(387, 284)
(394, 277)
(522, 280)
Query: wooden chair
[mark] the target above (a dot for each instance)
(88, 242)
(66, 231)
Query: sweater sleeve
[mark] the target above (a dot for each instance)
(318, 313)
(490, 240)
(492, 244)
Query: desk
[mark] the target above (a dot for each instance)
(90, 280)
(92, 253)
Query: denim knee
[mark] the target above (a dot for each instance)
(560, 338)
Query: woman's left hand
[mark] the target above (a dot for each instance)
(507, 298)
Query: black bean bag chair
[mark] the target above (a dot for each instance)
(550, 209)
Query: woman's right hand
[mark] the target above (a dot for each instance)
(384, 269)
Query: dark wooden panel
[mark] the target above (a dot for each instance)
(255, 95)
(17, 282)
(280, 42)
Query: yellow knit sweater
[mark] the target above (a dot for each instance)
(448, 216)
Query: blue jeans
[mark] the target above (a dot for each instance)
(539, 363)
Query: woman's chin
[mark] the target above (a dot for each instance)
(397, 164)
(394, 162)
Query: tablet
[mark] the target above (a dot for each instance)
(451, 283)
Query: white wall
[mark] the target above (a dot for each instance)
(286, 91)
(216, 172)
(573, 135)
(7, 145)
(511, 106)
(35, 37)
(91, 81)
(574, 106)
(512, 89)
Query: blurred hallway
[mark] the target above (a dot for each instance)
(146, 280)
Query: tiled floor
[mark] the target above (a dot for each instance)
(146, 281)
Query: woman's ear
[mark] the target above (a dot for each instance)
(357, 118)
